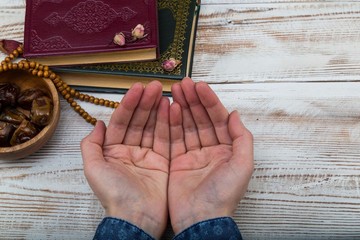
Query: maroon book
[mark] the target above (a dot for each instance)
(68, 32)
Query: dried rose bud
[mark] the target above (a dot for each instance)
(170, 64)
(138, 32)
(8, 46)
(119, 39)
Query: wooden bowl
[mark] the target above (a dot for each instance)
(26, 80)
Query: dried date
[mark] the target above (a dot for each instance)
(41, 111)
(23, 133)
(27, 96)
(6, 132)
(12, 115)
(8, 94)
(22, 114)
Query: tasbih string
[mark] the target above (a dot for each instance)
(68, 93)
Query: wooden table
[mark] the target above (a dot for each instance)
(292, 68)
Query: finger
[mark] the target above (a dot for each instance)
(162, 129)
(242, 144)
(177, 146)
(141, 115)
(218, 114)
(192, 140)
(91, 145)
(202, 120)
(148, 133)
(122, 115)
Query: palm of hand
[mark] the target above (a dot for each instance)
(134, 175)
(204, 178)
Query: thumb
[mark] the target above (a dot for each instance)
(243, 148)
(91, 145)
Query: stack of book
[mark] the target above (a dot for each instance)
(76, 39)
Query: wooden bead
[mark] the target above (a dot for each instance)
(15, 53)
(56, 80)
(84, 114)
(112, 104)
(93, 121)
(72, 92)
(68, 93)
(52, 76)
(116, 105)
(20, 50)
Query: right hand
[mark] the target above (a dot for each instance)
(211, 156)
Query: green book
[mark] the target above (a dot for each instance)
(177, 33)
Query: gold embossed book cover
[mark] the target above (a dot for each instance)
(70, 32)
(177, 33)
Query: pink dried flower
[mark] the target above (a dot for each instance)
(119, 39)
(138, 32)
(8, 46)
(170, 64)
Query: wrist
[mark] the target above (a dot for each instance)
(183, 222)
(149, 224)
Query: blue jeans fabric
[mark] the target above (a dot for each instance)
(223, 228)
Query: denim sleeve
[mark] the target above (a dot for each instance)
(212, 229)
(114, 229)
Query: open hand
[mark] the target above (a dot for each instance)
(211, 156)
(127, 163)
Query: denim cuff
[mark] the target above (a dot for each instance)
(212, 229)
(114, 229)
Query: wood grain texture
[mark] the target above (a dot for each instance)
(291, 68)
(279, 42)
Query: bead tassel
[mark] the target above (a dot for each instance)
(68, 93)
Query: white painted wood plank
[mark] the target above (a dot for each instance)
(306, 179)
(279, 42)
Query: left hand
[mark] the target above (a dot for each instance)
(211, 156)
(127, 163)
